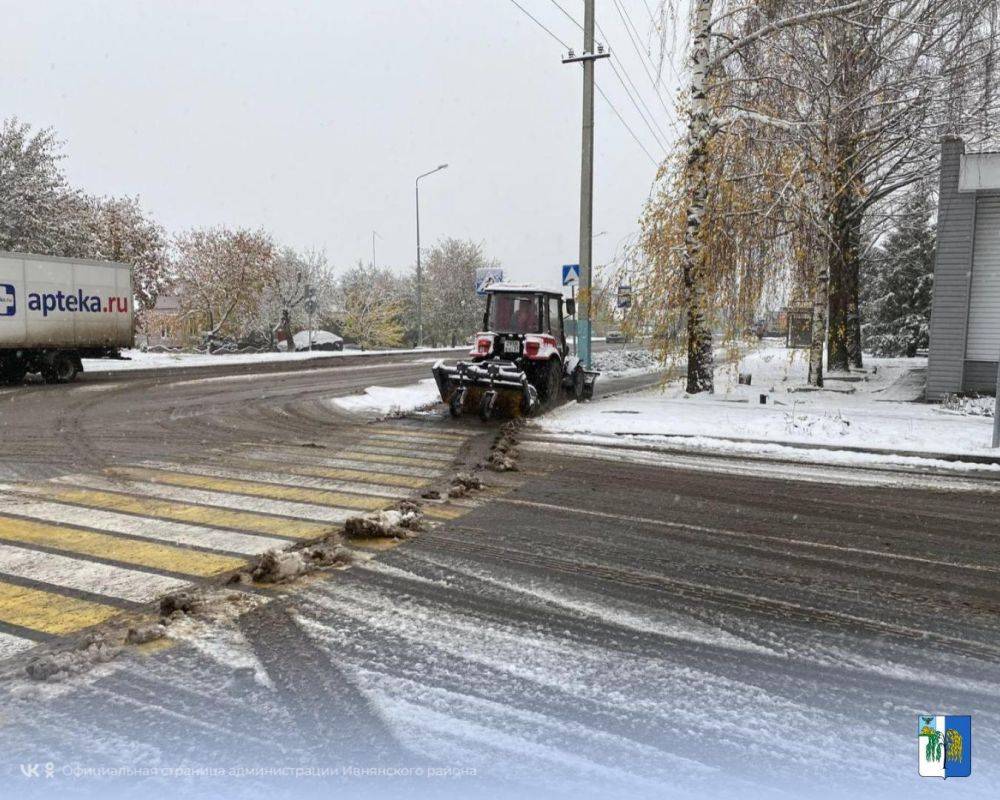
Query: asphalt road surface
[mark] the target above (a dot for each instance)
(592, 625)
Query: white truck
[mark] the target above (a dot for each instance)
(56, 311)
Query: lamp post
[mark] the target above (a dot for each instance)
(420, 317)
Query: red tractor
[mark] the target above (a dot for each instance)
(520, 360)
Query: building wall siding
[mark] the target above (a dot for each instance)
(952, 273)
(980, 376)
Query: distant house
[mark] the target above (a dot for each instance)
(164, 324)
(965, 310)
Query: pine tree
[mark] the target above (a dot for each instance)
(898, 282)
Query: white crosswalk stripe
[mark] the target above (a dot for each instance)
(182, 494)
(85, 576)
(347, 463)
(11, 645)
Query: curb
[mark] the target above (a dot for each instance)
(957, 458)
(253, 367)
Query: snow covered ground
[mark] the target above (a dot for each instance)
(876, 410)
(137, 359)
(391, 399)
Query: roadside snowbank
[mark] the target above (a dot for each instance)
(391, 400)
(137, 359)
(621, 363)
(866, 410)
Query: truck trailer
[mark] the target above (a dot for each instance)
(56, 311)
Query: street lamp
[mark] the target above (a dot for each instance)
(420, 317)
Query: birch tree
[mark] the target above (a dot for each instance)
(821, 111)
(718, 34)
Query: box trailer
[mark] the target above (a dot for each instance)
(56, 311)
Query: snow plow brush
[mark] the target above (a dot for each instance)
(488, 387)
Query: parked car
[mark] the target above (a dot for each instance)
(616, 337)
(321, 340)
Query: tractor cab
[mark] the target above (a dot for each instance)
(522, 322)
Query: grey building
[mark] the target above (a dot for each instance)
(965, 312)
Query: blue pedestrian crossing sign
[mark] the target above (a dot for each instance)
(486, 277)
(571, 274)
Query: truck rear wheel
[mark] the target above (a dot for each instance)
(12, 371)
(61, 369)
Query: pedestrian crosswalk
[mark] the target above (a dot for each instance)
(81, 548)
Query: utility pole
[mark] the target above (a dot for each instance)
(587, 58)
(420, 314)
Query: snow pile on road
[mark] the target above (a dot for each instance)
(393, 523)
(622, 363)
(863, 410)
(391, 399)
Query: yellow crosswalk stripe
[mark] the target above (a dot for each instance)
(378, 458)
(445, 512)
(184, 512)
(49, 612)
(382, 447)
(272, 491)
(388, 437)
(116, 548)
(335, 473)
(455, 437)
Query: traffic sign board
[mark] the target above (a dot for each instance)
(486, 277)
(570, 274)
(624, 296)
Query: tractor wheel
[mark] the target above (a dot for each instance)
(550, 382)
(62, 369)
(456, 403)
(579, 384)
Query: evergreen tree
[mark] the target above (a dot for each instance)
(898, 279)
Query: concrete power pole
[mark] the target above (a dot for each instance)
(587, 58)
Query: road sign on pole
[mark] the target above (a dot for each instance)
(486, 277)
(571, 275)
(624, 296)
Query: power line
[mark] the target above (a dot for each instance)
(539, 24)
(661, 138)
(627, 127)
(639, 53)
(615, 58)
(596, 85)
(660, 141)
(566, 14)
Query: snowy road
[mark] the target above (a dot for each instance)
(586, 629)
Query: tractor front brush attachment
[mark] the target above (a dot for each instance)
(488, 386)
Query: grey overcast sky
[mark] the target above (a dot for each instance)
(312, 119)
